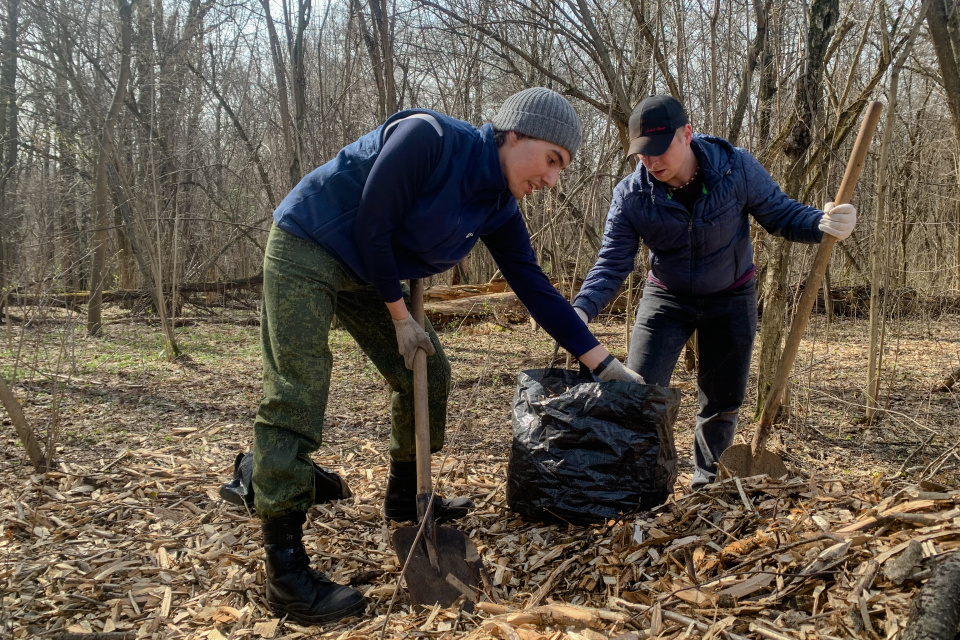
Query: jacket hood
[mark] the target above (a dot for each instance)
(715, 156)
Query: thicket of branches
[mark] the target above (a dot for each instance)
(146, 144)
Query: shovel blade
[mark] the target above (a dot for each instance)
(738, 462)
(460, 567)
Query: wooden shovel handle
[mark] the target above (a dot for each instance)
(420, 400)
(812, 284)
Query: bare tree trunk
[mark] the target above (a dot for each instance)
(9, 131)
(383, 27)
(286, 123)
(823, 17)
(880, 222)
(768, 88)
(148, 260)
(714, 61)
(101, 197)
(759, 44)
(378, 50)
(69, 229)
(298, 85)
(647, 32)
(944, 25)
(242, 134)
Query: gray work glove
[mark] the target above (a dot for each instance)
(410, 337)
(611, 370)
(582, 315)
(839, 220)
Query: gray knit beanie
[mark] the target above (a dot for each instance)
(540, 113)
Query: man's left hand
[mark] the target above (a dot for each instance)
(839, 220)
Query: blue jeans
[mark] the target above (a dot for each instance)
(726, 323)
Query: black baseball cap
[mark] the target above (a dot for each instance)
(654, 123)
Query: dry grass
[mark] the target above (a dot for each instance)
(128, 535)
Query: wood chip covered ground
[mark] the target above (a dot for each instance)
(128, 538)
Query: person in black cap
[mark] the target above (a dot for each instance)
(408, 200)
(690, 201)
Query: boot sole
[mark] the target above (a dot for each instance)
(295, 616)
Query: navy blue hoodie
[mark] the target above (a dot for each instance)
(461, 198)
(697, 254)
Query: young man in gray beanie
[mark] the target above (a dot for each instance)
(408, 200)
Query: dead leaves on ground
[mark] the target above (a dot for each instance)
(141, 545)
(128, 537)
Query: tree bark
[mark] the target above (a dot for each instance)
(935, 613)
(149, 264)
(383, 26)
(942, 21)
(872, 391)
(298, 85)
(25, 433)
(759, 44)
(9, 131)
(823, 18)
(101, 198)
(286, 123)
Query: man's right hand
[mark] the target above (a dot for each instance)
(582, 315)
(410, 337)
(614, 371)
(838, 220)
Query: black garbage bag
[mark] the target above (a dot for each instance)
(328, 485)
(585, 451)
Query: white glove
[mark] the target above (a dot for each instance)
(582, 314)
(613, 371)
(838, 220)
(410, 337)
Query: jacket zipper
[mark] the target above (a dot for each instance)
(673, 203)
(693, 247)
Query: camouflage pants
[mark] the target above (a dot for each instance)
(303, 287)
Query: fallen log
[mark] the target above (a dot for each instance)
(935, 612)
(855, 301)
(499, 307)
(71, 299)
(441, 292)
(505, 307)
(74, 299)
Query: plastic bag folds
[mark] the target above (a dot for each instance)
(586, 451)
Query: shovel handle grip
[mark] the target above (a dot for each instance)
(420, 402)
(812, 284)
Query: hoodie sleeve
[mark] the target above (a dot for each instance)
(621, 241)
(408, 158)
(511, 250)
(779, 214)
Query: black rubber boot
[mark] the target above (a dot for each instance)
(400, 504)
(294, 589)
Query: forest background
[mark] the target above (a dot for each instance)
(144, 146)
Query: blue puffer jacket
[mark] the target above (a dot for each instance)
(700, 254)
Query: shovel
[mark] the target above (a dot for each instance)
(441, 563)
(743, 460)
